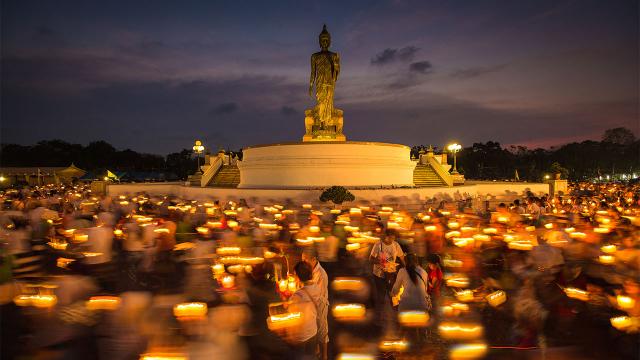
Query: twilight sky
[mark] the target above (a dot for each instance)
(155, 75)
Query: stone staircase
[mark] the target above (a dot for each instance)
(425, 176)
(227, 176)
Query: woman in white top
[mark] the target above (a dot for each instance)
(414, 280)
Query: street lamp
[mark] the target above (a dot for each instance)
(454, 148)
(198, 148)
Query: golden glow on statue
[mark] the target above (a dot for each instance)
(324, 121)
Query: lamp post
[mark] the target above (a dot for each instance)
(198, 148)
(454, 148)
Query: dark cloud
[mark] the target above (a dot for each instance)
(225, 108)
(476, 71)
(43, 30)
(422, 67)
(389, 55)
(288, 111)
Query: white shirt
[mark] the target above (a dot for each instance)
(414, 296)
(320, 278)
(303, 301)
(386, 254)
(100, 241)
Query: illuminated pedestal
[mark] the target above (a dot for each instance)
(322, 164)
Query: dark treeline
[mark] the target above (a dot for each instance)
(95, 156)
(617, 153)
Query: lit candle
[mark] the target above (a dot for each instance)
(481, 237)
(228, 281)
(40, 301)
(521, 245)
(465, 295)
(578, 235)
(468, 351)
(228, 250)
(202, 230)
(460, 331)
(606, 259)
(490, 230)
(355, 356)
(281, 321)
(576, 294)
(103, 303)
(163, 356)
(621, 322)
(463, 242)
(190, 310)
(218, 269)
(347, 284)
(353, 247)
(292, 286)
(282, 285)
(413, 318)
(609, 249)
(349, 312)
(451, 263)
(458, 281)
(625, 302)
(393, 345)
(496, 298)
(452, 234)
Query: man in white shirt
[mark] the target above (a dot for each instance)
(383, 258)
(305, 301)
(319, 277)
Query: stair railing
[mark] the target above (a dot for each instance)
(211, 171)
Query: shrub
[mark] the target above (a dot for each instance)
(337, 195)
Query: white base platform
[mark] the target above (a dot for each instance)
(494, 192)
(306, 165)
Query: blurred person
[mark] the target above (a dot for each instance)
(383, 257)
(434, 276)
(305, 300)
(319, 278)
(327, 250)
(262, 343)
(414, 280)
(517, 207)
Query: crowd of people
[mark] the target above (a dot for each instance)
(132, 276)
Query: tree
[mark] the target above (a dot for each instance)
(619, 135)
(337, 195)
(556, 168)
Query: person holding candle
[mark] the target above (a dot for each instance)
(414, 280)
(383, 258)
(319, 278)
(305, 300)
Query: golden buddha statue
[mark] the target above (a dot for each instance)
(324, 122)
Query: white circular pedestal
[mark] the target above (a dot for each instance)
(322, 164)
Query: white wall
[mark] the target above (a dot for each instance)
(492, 191)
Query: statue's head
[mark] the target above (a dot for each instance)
(325, 38)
